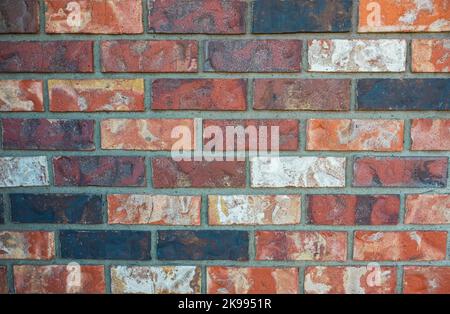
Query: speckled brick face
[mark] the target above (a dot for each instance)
(224, 147)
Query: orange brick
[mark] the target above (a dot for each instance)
(429, 134)
(428, 209)
(23, 95)
(27, 245)
(431, 55)
(426, 280)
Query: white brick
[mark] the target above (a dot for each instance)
(23, 171)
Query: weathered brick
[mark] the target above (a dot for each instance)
(155, 280)
(345, 209)
(350, 280)
(431, 55)
(96, 95)
(48, 279)
(301, 245)
(168, 173)
(23, 171)
(197, 16)
(252, 55)
(301, 94)
(19, 16)
(400, 171)
(202, 245)
(37, 245)
(252, 280)
(143, 134)
(93, 17)
(254, 209)
(260, 136)
(403, 94)
(3, 280)
(56, 208)
(293, 16)
(2, 210)
(46, 56)
(354, 135)
(48, 134)
(427, 209)
(23, 95)
(404, 16)
(426, 279)
(101, 244)
(154, 209)
(399, 245)
(356, 55)
(199, 94)
(297, 172)
(149, 56)
(99, 171)
(430, 134)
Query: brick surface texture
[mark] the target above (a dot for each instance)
(339, 183)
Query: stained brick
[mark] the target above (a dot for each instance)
(107, 245)
(199, 94)
(203, 245)
(345, 209)
(36, 245)
(399, 245)
(99, 171)
(149, 56)
(2, 210)
(59, 279)
(400, 171)
(403, 94)
(48, 134)
(302, 94)
(46, 56)
(19, 16)
(3, 280)
(96, 95)
(301, 245)
(426, 280)
(21, 95)
(56, 208)
(431, 55)
(427, 209)
(430, 134)
(23, 171)
(198, 16)
(252, 55)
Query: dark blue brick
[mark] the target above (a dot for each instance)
(403, 94)
(2, 210)
(203, 245)
(56, 208)
(293, 16)
(114, 245)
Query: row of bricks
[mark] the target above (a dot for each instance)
(232, 245)
(157, 134)
(223, 16)
(223, 280)
(225, 94)
(173, 210)
(265, 55)
(275, 172)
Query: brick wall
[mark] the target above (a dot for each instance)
(357, 202)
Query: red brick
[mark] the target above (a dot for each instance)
(429, 134)
(23, 95)
(96, 95)
(48, 134)
(399, 245)
(301, 245)
(37, 245)
(253, 55)
(426, 280)
(400, 172)
(252, 280)
(288, 133)
(199, 16)
(3, 280)
(149, 56)
(354, 135)
(427, 209)
(431, 55)
(344, 209)
(301, 94)
(199, 94)
(168, 173)
(46, 57)
(71, 278)
(93, 17)
(350, 280)
(143, 134)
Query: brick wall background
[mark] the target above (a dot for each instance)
(362, 101)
